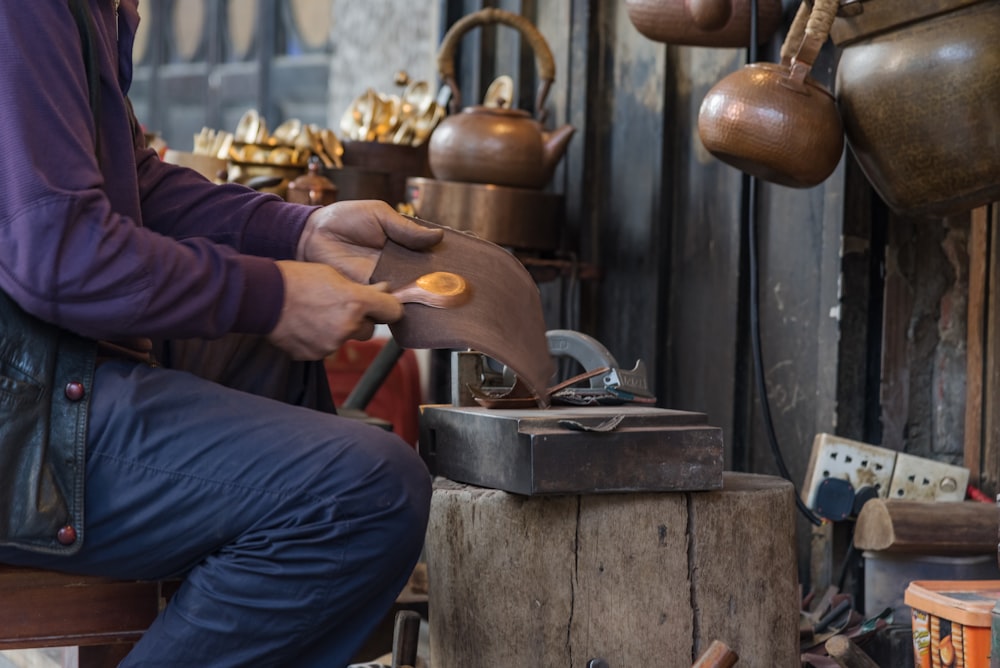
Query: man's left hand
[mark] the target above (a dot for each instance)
(349, 236)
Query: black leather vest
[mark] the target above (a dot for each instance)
(46, 375)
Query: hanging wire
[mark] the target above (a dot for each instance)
(750, 202)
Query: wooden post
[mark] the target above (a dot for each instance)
(989, 460)
(979, 254)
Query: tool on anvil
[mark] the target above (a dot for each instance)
(615, 383)
(474, 382)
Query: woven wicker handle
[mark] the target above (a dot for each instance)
(544, 61)
(806, 36)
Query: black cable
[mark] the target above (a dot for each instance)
(758, 357)
(374, 376)
(750, 204)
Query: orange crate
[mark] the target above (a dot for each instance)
(951, 622)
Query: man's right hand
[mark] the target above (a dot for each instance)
(323, 309)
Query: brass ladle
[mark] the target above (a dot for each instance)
(438, 289)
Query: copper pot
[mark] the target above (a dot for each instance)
(496, 145)
(312, 187)
(774, 121)
(719, 23)
(918, 84)
(396, 162)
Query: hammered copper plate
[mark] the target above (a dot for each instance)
(502, 317)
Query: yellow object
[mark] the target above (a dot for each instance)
(442, 283)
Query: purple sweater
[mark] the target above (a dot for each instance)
(124, 246)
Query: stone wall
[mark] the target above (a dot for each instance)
(375, 39)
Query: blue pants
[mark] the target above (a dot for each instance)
(294, 529)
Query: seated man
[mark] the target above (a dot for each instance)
(162, 410)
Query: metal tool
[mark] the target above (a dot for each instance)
(623, 384)
(587, 351)
(598, 443)
(474, 376)
(405, 644)
(405, 639)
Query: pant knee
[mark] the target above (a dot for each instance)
(410, 482)
(388, 488)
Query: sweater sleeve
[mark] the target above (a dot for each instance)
(181, 204)
(100, 239)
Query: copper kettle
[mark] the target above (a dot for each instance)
(772, 120)
(495, 145)
(717, 23)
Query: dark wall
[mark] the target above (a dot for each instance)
(666, 225)
(667, 228)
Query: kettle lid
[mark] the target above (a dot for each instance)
(505, 112)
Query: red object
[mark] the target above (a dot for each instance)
(977, 494)
(399, 397)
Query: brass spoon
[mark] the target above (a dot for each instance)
(438, 289)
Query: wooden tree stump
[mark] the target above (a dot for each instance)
(634, 579)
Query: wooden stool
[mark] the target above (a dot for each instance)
(103, 617)
(643, 579)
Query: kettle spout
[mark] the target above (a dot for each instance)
(555, 144)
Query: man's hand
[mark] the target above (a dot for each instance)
(323, 309)
(349, 236)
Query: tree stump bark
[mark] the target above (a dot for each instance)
(927, 527)
(633, 579)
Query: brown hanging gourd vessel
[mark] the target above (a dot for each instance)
(773, 121)
(714, 23)
(918, 84)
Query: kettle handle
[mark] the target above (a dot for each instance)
(544, 61)
(806, 36)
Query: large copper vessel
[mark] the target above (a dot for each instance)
(918, 86)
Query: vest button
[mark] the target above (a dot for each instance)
(74, 391)
(66, 535)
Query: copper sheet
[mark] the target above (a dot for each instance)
(502, 317)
